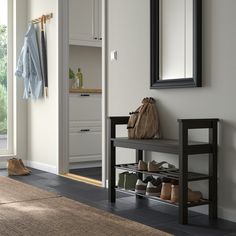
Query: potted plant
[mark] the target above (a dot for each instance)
(71, 77)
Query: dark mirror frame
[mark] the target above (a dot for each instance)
(196, 81)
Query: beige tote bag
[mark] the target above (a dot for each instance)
(144, 122)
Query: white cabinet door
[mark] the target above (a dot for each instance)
(99, 18)
(84, 22)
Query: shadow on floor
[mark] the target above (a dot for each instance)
(92, 173)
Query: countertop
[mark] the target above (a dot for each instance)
(86, 90)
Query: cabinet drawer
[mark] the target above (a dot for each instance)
(84, 108)
(85, 142)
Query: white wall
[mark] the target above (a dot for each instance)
(89, 60)
(128, 81)
(43, 114)
(20, 108)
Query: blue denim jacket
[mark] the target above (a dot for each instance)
(29, 67)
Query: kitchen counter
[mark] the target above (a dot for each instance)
(85, 90)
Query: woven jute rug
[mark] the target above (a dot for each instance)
(26, 210)
(12, 191)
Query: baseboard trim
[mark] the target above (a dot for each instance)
(42, 166)
(227, 214)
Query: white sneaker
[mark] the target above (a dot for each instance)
(140, 187)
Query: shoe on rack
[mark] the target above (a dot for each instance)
(166, 179)
(142, 165)
(193, 196)
(174, 193)
(130, 180)
(153, 166)
(166, 191)
(22, 164)
(14, 168)
(121, 180)
(141, 186)
(154, 188)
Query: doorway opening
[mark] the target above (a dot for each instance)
(85, 92)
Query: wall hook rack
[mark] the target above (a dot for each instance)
(39, 20)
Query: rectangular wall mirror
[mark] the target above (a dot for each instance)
(176, 43)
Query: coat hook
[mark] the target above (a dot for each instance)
(42, 22)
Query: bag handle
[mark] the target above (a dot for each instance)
(133, 112)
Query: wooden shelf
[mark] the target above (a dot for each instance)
(87, 90)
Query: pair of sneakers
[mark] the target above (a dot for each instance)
(150, 186)
(153, 166)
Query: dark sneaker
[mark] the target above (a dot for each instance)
(169, 180)
(140, 187)
(154, 187)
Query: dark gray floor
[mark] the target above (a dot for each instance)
(145, 211)
(93, 173)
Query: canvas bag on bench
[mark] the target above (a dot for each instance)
(144, 122)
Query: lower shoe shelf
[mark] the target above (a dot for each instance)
(169, 173)
(168, 202)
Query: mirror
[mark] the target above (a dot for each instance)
(176, 43)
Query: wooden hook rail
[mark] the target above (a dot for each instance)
(45, 17)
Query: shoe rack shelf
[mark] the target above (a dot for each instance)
(189, 204)
(172, 174)
(183, 149)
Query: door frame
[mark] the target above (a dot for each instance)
(63, 63)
